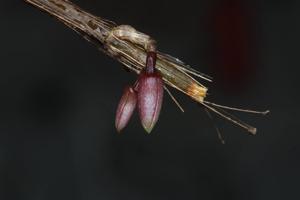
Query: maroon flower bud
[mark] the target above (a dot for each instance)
(125, 109)
(150, 96)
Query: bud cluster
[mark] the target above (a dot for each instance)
(146, 94)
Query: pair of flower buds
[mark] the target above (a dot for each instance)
(146, 94)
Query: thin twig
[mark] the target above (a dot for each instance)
(174, 99)
(131, 54)
(216, 127)
(130, 47)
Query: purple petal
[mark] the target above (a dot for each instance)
(150, 96)
(125, 109)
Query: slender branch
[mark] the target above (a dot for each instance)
(132, 54)
(130, 47)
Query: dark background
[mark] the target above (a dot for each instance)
(59, 95)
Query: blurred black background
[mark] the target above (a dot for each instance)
(59, 95)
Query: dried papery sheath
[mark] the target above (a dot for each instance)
(125, 108)
(150, 97)
(126, 45)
